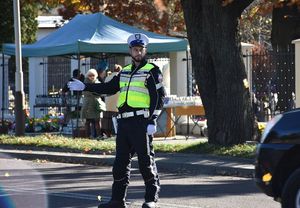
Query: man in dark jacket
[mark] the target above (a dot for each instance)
(76, 75)
(66, 95)
(139, 104)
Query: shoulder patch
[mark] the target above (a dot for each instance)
(160, 77)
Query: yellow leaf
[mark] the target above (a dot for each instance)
(246, 83)
(75, 1)
(253, 11)
(99, 198)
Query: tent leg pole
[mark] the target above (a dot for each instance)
(3, 71)
(77, 98)
(187, 72)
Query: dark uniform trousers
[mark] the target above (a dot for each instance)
(132, 138)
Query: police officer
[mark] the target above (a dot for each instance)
(139, 104)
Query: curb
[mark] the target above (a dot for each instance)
(205, 164)
(166, 162)
(64, 157)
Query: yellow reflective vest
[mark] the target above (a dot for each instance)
(132, 87)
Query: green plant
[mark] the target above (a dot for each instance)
(47, 123)
(108, 146)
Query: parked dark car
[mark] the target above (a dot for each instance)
(277, 165)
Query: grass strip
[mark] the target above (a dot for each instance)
(108, 145)
(241, 150)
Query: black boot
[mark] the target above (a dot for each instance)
(113, 204)
(150, 205)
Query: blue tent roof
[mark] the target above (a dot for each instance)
(94, 33)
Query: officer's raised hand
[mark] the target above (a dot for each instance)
(76, 85)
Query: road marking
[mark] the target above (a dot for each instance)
(77, 196)
(85, 197)
(164, 205)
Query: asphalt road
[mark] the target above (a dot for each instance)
(42, 184)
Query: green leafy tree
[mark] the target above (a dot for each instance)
(29, 13)
(29, 26)
(6, 22)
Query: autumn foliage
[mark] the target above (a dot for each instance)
(161, 16)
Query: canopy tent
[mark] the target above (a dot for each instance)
(94, 33)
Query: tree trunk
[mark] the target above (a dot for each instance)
(219, 69)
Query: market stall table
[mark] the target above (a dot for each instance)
(172, 115)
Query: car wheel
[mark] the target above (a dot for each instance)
(290, 197)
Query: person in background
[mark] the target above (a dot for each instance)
(140, 102)
(65, 94)
(89, 110)
(101, 70)
(76, 75)
(195, 89)
(111, 102)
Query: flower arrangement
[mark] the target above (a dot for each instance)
(48, 123)
(5, 125)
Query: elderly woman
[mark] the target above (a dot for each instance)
(92, 107)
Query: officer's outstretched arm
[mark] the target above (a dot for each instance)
(76, 85)
(111, 87)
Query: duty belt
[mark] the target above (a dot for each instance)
(145, 113)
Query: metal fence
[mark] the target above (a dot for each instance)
(56, 73)
(273, 83)
(93, 62)
(272, 78)
(12, 73)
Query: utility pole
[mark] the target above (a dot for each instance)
(19, 94)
